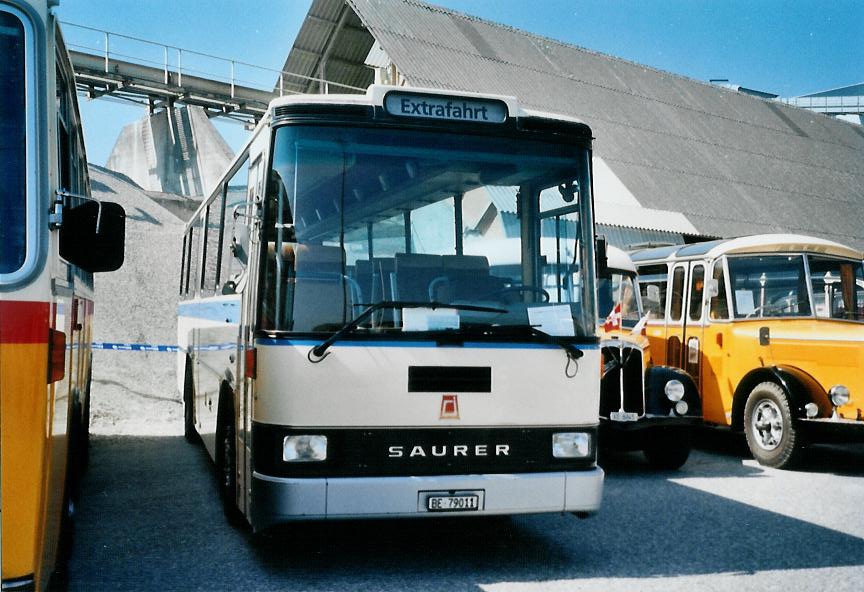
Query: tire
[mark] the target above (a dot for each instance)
(770, 427)
(226, 460)
(668, 449)
(188, 407)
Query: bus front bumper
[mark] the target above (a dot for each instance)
(832, 431)
(276, 500)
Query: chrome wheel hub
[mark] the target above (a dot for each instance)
(767, 424)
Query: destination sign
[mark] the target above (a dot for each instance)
(446, 108)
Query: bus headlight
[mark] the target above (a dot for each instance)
(304, 448)
(571, 445)
(674, 390)
(839, 395)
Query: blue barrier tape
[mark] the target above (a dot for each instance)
(135, 347)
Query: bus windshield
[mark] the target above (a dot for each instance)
(12, 145)
(619, 288)
(357, 216)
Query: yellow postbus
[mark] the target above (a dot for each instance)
(771, 327)
(52, 238)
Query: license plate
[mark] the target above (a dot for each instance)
(623, 416)
(452, 503)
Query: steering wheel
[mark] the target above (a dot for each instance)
(518, 290)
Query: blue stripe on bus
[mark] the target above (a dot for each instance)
(406, 344)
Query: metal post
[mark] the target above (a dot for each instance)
(406, 216)
(369, 240)
(281, 83)
(232, 79)
(457, 222)
(179, 67)
(107, 34)
(165, 61)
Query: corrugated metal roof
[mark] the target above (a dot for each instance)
(729, 163)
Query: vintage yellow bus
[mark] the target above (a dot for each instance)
(643, 406)
(771, 327)
(52, 238)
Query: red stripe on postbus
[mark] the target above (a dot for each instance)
(24, 322)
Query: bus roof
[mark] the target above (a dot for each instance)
(375, 94)
(760, 243)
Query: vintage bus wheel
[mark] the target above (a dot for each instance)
(226, 460)
(188, 407)
(668, 449)
(769, 427)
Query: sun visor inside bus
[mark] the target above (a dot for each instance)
(93, 236)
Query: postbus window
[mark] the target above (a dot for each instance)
(193, 278)
(213, 238)
(769, 286)
(697, 290)
(183, 266)
(653, 280)
(719, 304)
(838, 288)
(235, 195)
(13, 164)
(677, 297)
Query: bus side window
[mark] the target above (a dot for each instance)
(697, 291)
(183, 266)
(719, 305)
(212, 241)
(677, 295)
(193, 275)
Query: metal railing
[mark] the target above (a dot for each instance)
(835, 104)
(177, 61)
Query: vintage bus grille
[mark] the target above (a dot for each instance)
(610, 390)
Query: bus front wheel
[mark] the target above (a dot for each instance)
(226, 459)
(771, 433)
(668, 449)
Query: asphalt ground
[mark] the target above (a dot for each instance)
(149, 519)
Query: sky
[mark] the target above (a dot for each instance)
(787, 47)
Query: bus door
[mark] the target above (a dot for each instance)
(684, 318)
(244, 381)
(716, 344)
(675, 314)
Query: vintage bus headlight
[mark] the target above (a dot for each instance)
(839, 395)
(571, 445)
(681, 407)
(674, 390)
(304, 448)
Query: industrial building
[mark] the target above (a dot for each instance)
(675, 159)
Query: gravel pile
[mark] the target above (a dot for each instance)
(135, 392)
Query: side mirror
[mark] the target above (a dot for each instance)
(712, 288)
(93, 236)
(600, 254)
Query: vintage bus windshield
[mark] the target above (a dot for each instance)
(355, 216)
(13, 230)
(619, 288)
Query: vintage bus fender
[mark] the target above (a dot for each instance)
(656, 401)
(801, 387)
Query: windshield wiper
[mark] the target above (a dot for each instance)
(320, 350)
(573, 352)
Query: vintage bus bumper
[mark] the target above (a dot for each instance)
(276, 499)
(832, 430)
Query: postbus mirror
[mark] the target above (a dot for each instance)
(712, 288)
(93, 236)
(600, 253)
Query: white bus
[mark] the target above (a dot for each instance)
(348, 351)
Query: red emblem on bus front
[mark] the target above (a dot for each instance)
(449, 407)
